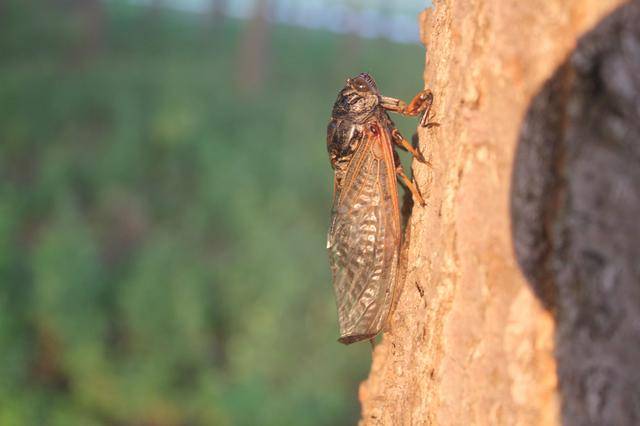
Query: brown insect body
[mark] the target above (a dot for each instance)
(365, 233)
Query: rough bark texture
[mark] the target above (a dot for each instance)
(473, 338)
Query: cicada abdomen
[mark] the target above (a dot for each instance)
(365, 234)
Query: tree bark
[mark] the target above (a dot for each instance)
(477, 337)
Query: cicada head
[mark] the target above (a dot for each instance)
(358, 99)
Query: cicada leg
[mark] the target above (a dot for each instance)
(400, 140)
(421, 103)
(406, 181)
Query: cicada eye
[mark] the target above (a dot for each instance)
(360, 85)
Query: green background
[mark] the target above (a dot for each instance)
(163, 224)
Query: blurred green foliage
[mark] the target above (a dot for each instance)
(162, 228)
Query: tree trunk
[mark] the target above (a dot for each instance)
(483, 333)
(217, 12)
(253, 54)
(90, 20)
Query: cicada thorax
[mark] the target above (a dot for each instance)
(347, 128)
(343, 139)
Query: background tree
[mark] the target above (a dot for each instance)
(253, 52)
(217, 10)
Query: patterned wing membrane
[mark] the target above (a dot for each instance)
(363, 240)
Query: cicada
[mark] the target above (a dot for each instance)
(365, 232)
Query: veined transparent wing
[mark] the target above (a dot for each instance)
(364, 238)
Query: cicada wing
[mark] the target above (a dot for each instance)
(364, 240)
